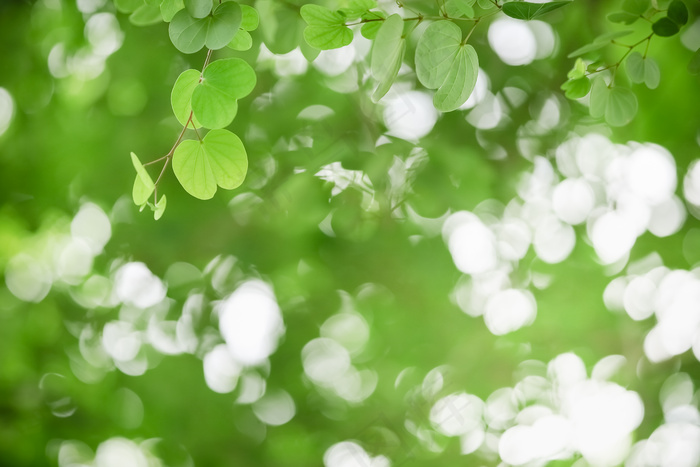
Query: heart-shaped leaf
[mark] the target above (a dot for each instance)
(326, 28)
(189, 34)
(529, 11)
(181, 96)
(219, 159)
(223, 83)
(444, 63)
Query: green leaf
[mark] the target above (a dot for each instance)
(249, 18)
(485, 4)
(665, 28)
(578, 71)
(160, 208)
(198, 8)
(127, 6)
(387, 54)
(435, 51)
(623, 17)
(146, 15)
(444, 63)
(608, 36)
(643, 70)
(694, 63)
(326, 29)
(143, 185)
(459, 8)
(168, 9)
(460, 81)
(576, 88)
(193, 169)
(635, 7)
(357, 8)
(587, 48)
(621, 106)
(181, 96)
(528, 11)
(369, 30)
(241, 41)
(190, 34)
(599, 98)
(224, 82)
(652, 74)
(678, 12)
(219, 159)
(635, 67)
(283, 29)
(228, 158)
(223, 25)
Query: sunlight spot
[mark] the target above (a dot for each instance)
(275, 408)
(513, 41)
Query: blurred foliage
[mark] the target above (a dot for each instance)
(69, 142)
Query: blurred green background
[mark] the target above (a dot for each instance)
(74, 120)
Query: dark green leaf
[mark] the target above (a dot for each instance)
(665, 28)
(623, 17)
(678, 12)
(190, 34)
(528, 11)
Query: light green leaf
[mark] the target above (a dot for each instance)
(143, 185)
(198, 8)
(643, 70)
(160, 208)
(193, 169)
(223, 25)
(370, 29)
(576, 88)
(652, 74)
(485, 4)
(128, 6)
(228, 158)
(608, 36)
(190, 34)
(587, 48)
(444, 63)
(146, 15)
(357, 8)
(181, 96)
(241, 41)
(459, 8)
(249, 18)
(219, 159)
(635, 7)
(387, 54)
(529, 11)
(436, 50)
(224, 82)
(326, 29)
(578, 71)
(599, 98)
(168, 9)
(635, 67)
(460, 81)
(621, 106)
